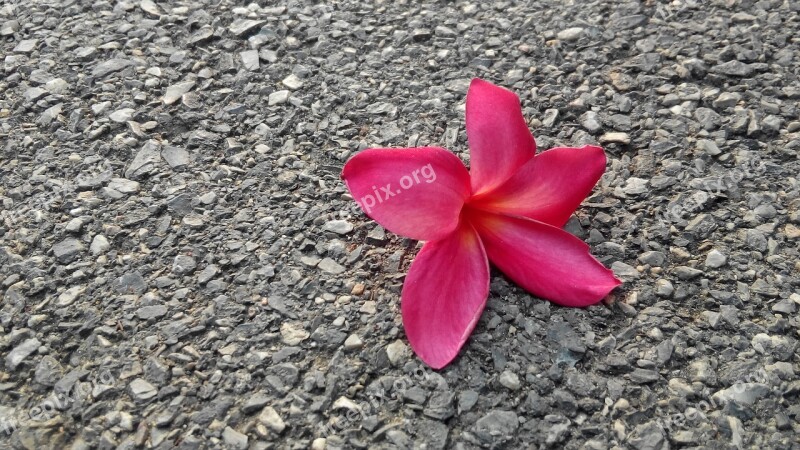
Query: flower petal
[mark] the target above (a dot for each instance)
(547, 261)
(549, 187)
(499, 138)
(444, 294)
(413, 192)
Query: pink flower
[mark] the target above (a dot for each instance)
(508, 209)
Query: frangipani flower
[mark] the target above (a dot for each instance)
(508, 209)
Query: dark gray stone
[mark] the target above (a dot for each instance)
(68, 250)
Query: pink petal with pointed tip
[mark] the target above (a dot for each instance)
(499, 138)
(444, 294)
(547, 261)
(549, 187)
(413, 192)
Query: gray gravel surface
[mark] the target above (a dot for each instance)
(181, 267)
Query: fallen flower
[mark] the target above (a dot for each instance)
(508, 209)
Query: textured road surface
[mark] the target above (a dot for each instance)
(181, 267)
